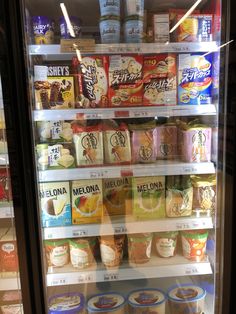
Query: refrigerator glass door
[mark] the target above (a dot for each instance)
(125, 111)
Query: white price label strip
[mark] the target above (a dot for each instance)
(85, 278)
(58, 282)
(80, 233)
(120, 230)
(191, 271)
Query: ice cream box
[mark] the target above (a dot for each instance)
(54, 89)
(161, 28)
(196, 27)
(117, 196)
(57, 156)
(55, 204)
(159, 66)
(126, 95)
(54, 131)
(93, 81)
(195, 79)
(148, 197)
(8, 251)
(87, 201)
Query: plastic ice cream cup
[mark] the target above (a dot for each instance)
(66, 303)
(133, 29)
(43, 28)
(147, 301)
(76, 24)
(194, 244)
(186, 298)
(110, 29)
(109, 7)
(134, 7)
(106, 303)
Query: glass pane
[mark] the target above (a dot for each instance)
(125, 107)
(10, 290)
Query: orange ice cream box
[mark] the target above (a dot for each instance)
(87, 201)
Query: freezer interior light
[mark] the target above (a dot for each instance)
(67, 19)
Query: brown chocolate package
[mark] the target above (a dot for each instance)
(112, 250)
(139, 247)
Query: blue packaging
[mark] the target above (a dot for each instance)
(109, 7)
(133, 30)
(76, 24)
(195, 79)
(67, 303)
(55, 204)
(110, 29)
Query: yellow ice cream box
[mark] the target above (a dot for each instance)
(87, 201)
(148, 197)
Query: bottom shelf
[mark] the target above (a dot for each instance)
(156, 268)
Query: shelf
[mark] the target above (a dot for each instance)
(128, 225)
(6, 211)
(120, 113)
(4, 159)
(52, 52)
(160, 168)
(156, 268)
(12, 283)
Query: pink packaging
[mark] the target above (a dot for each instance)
(196, 143)
(144, 148)
(166, 141)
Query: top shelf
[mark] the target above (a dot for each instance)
(52, 52)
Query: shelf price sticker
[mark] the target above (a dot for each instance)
(94, 115)
(140, 114)
(193, 270)
(80, 233)
(111, 276)
(120, 229)
(183, 226)
(190, 169)
(58, 282)
(99, 174)
(126, 173)
(85, 278)
(121, 114)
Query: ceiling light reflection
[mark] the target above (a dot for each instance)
(68, 22)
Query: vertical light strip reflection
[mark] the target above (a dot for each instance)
(68, 22)
(193, 7)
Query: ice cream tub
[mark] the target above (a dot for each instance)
(147, 301)
(134, 7)
(139, 247)
(66, 303)
(133, 29)
(109, 29)
(43, 28)
(109, 7)
(76, 25)
(186, 298)
(165, 243)
(194, 244)
(106, 303)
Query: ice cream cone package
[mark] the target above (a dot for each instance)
(56, 156)
(116, 140)
(125, 80)
(54, 131)
(54, 87)
(92, 81)
(195, 79)
(88, 143)
(143, 142)
(55, 204)
(166, 141)
(148, 197)
(195, 142)
(117, 196)
(87, 201)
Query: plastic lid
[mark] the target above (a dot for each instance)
(66, 303)
(186, 292)
(146, 297)
(106, 301)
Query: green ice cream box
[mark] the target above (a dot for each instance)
(148, 197)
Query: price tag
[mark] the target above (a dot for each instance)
(99, 174)
(85, 278)
(126, 173)
(49, 236)
(59, 282)
(182, 226)
(121, 114)
(94, 115)
(80, 233)
(56, 129)
(191, 271)
(120, 230)
(140, 114)
(111, 276)
(189, 169)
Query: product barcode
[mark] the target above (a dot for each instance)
(110, 277)
(115, 62)
(80, 233)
